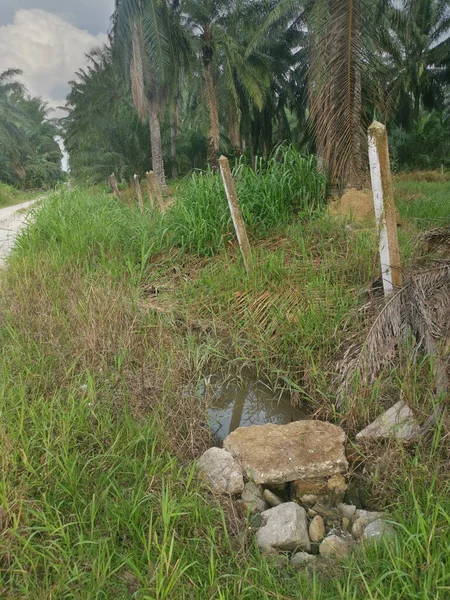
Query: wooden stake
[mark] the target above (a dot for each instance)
(385, 213)
(150, 190)
(137, 187)
(235, 210)
(115, 188)
(156, 189)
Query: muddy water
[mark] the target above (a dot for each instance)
(246, 402)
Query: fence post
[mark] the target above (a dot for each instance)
(137, 187)
(150, 190)
(156, 189)
(383, 201)
(113, 182)
(236, 215)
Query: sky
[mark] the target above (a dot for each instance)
(48, 40)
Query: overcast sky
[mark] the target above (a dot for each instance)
(48, 40)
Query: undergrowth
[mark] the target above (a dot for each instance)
(106, 326)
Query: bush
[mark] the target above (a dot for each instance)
(269, 194)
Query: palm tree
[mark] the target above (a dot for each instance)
(213, 25)
(148, 35)
(418, 46)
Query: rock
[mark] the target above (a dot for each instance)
(284, 528)
(368, 515)
(255, 521)
(252, 498)
(273, 454)
(398, 422)
(335, 546)
(221, 471)
(272, 499)
(358, 527)
(309, 487)
(346, 524)
(329, 513)
(347, 510)
(317, 529)
(337, 487)
(308, 500)
(378, 530)
(301, 558)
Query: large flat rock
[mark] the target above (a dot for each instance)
(398, 422)
(275, 454)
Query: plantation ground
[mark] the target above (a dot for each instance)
(108, 319)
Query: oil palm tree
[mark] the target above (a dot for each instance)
(148, 35)
(418, 46)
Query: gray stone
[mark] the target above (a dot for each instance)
(369, 515)
(284, 528)
(335, 546)
(273, 454)
(317, 529)
(309, 500)
(378, 530)
(221, 471)
(347, 510)
(398, 422)
(272, 499)
(302, 558)
(358, 527)
(252, 499)
(346, 524)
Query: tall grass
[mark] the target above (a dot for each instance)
(269, 194)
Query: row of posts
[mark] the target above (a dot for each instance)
(383, 199)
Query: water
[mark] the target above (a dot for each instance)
(247, 402)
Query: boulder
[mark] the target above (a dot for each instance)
(221, 471)
(335, 546)
(358, 527)
(347, 510)
(398, 422)
(368, 515)
(252, 499)
(284, 528)
(301, 558)
(378, 530)
(317, 529)
(275, 454)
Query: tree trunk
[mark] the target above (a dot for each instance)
(213, 108)
(233, 133)
(155, 136)
(173, 147)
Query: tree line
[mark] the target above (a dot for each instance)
(182, 81)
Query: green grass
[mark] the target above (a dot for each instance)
(98, 429)
(9, 195)
(424, 203)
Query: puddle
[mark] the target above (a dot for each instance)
(246, 402)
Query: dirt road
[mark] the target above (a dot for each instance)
(12, 219)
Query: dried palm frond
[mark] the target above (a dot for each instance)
(437, 238)
(420, 309)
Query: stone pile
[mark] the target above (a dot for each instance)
(290, 481)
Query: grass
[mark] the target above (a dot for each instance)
(106, 325)
(9, 195)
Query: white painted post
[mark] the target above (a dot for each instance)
(137, 187)
(235, 210)
(150, 190)
(115, 188)
(385, 213)
(156, 189)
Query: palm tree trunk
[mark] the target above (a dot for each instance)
(173, 135)
(213, 108)
(155, 136)
(233, 132)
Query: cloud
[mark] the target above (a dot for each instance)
(48, 49)
(92, 15)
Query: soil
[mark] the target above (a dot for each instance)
(355, 203)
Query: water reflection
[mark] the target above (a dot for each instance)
(247, 402)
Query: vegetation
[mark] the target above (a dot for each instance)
(239, 78)
(99, 423)
(29, 155)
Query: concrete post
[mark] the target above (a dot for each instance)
(235, 210)
(150, 190)
(113, 182)
(137, 187)
(385, 213)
